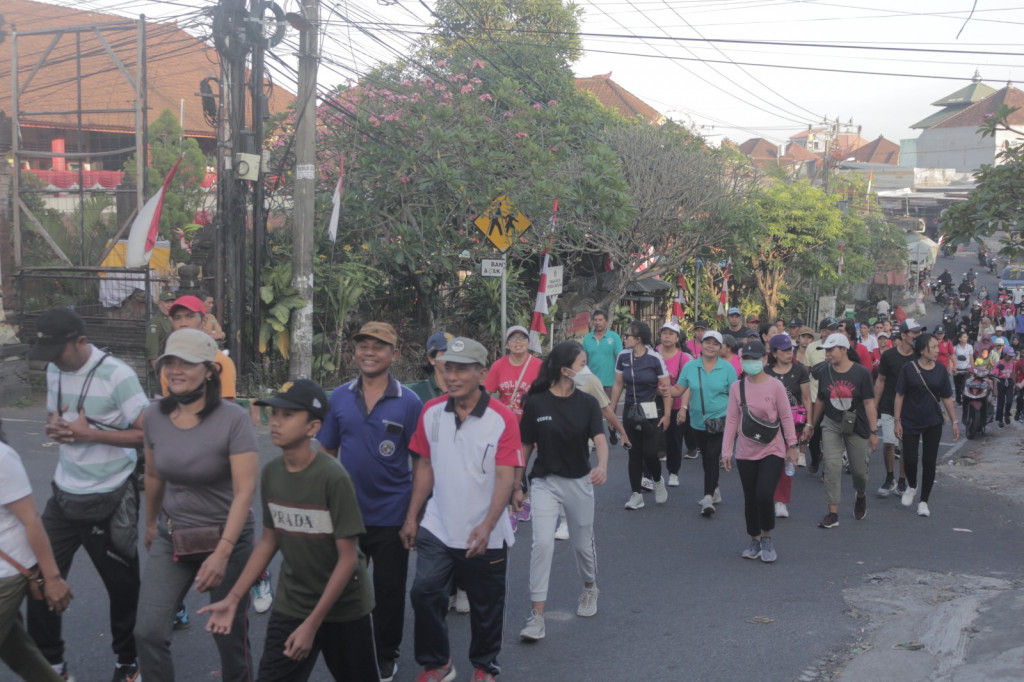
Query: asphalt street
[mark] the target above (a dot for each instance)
(677, 601)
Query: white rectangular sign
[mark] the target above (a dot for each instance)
(555, 273)
(492, 267)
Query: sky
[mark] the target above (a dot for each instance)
(869, 63)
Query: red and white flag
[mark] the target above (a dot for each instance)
(540, 308)
(723, 299)
(679, 304)
(332, 227)
(144, 231)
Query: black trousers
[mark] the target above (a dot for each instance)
(644, 436)
(484, 578)
(120, 576)
(347, 649)
(929, 440)
(759, 478)
(814, 446)
(674, 444)
(710, 445)
(384, 549)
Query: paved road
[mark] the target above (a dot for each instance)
(677, 601)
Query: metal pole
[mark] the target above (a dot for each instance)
(15, 148)
(81, 160)
(259, 218)
(301, 362)
(504, 296)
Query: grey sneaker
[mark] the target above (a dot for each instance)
(717, 499)
(635, 501)
(908, 496)
(588, 602)
(768, 554)
(461, 601)
(660, 491)
(707, 507)
(534, 629)
(887, 487)
(754, 550)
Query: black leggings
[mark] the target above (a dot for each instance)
(959, 379)
(929, 440)
(710, 445)
(759, 478)
(644, 451)
(674, 444)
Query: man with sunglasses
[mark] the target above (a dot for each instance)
(95, 405)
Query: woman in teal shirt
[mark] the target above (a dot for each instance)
(704, 387)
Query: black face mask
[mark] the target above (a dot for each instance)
(189, 397)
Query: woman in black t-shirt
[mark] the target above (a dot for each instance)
(924, 385)
(558, 421)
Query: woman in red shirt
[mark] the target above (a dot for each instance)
(946, 350)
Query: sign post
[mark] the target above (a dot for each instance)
(502, 225)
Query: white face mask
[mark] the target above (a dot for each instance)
(581, 377)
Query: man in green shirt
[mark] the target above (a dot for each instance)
(310, 513)
(157, 331)
(602, 346)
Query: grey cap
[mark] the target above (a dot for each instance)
(465, 351)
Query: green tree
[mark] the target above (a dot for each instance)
(997, 201)
(185, 195)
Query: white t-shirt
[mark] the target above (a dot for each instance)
(113, 396)
(14, 486)
(966, 350)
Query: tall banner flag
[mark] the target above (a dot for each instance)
(540, 308)
(723, 299)
(332, 227)
(143, 233)
(679, 304)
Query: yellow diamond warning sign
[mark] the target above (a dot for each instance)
(502, 224)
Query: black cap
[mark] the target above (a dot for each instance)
(301, 394)
(752, 349)
(753, 333)
(700, 324)
(796, 322)
(829, 323)
(54, 329)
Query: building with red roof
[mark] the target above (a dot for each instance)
(613, 96)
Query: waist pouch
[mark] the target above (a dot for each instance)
(196, 543)
(91, 507)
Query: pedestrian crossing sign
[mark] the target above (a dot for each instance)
(502, 224)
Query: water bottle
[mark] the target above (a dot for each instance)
(790, 468)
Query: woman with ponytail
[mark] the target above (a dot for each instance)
(558, 422)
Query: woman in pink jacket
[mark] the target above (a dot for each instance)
(763, 439)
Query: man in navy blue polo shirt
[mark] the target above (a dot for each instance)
(368, 426)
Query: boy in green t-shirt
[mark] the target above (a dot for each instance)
(310, 513)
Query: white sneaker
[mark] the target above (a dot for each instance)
(635, 501)
(717, 499)
(461, 601)
(562, 532)
(647, 483)
(660, 491)
(673, 480)
(781, 512)
(262, 597)
(588, 602)
(534, 629)
(908, 496)
(922, 509)
(707, 507)
(801, 461)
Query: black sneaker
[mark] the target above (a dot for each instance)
(860, 508)
(830, 520)
(388, 668)
(887, 486)
(901, 487)
(613, 436)
(126, 673)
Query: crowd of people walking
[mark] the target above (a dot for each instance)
(446, 467)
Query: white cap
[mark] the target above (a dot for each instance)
(835, 340)
(671, 325)
(712, 334)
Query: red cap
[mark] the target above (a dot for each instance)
(190, 303)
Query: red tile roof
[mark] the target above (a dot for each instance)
(974, 115)
(175, 60)
(879, 150)
(617, 98)
(760, 152)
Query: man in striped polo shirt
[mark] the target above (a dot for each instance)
(95, 405)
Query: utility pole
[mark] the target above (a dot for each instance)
(301, 362)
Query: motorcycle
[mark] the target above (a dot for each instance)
(990, 264)
(977, 391)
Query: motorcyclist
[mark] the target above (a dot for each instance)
(946, 279)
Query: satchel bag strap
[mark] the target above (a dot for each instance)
(21, 569)
(700, 382)
(515, 392)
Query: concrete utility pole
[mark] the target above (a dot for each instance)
(301, 363)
